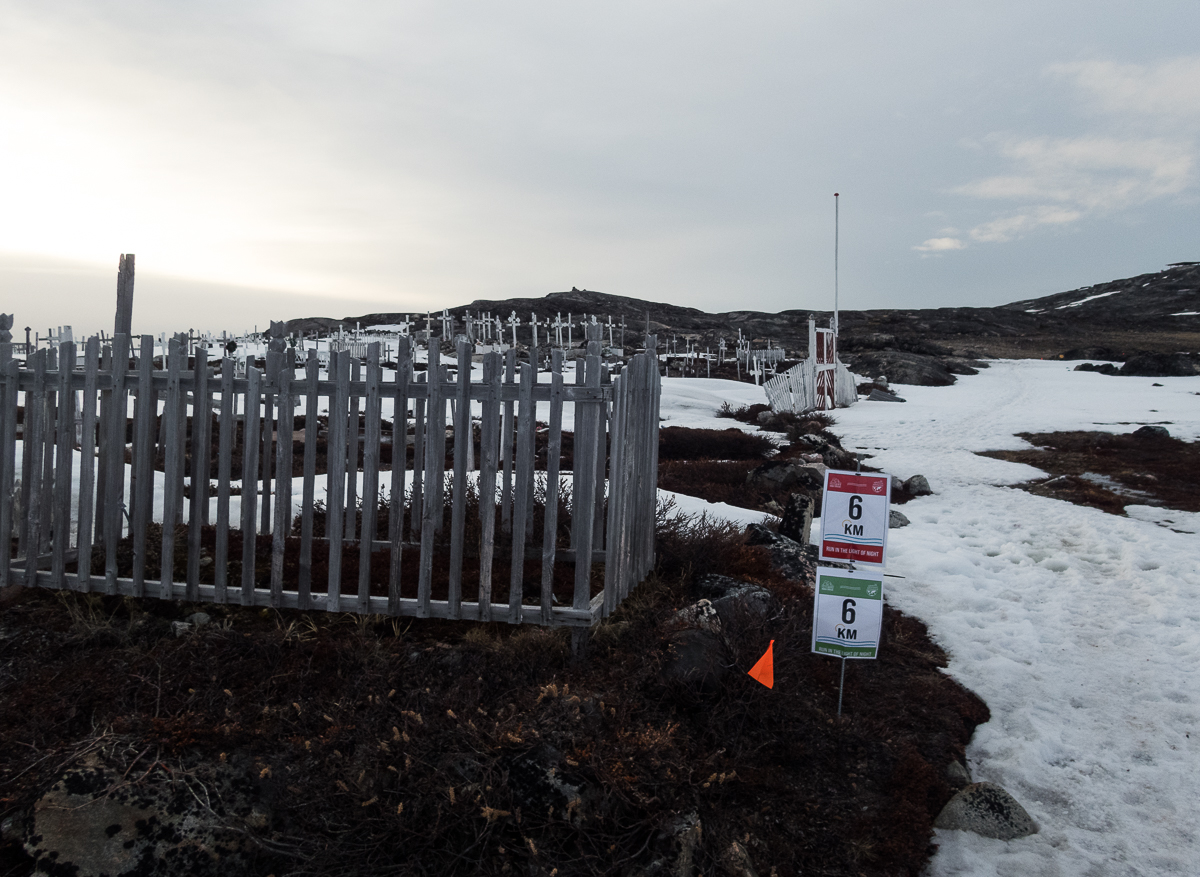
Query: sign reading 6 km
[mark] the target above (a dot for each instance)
(854, 517)
(847, 613)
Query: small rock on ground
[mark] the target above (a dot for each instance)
(988, 810)
(918, 485)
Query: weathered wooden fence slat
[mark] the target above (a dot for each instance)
(458, 500)
(50, 413)
(9, 388)
(522, 498)
(225, 437)
(62, 516)
(270, 379)
(63, 451)
(553, 462)
(286, 425)
(250, 478)
(370, 493)
(506, 445)
(171, 466)
(433, 466)
(420, 390)
(141, 492)
(399, 465)
(87, 463)
(489, 446)
(312, 375)
(351, 519)
(335, 457)
(31, 481)
(114, 491)
(201, 419)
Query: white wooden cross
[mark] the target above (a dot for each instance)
(721, 349)
(610, 335)
(447, 324)
(533, 321)
(514, 321)
(558, 327)
(570, 341)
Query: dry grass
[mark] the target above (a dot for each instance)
(393, 746)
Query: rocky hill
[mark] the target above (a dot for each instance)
(1156, 313)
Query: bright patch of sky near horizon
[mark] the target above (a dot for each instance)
(289, 159)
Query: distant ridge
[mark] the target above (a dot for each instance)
(1151, 312)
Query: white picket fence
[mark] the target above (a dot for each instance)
(78, 485)
(796, 390)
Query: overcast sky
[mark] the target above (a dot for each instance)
(284, 159)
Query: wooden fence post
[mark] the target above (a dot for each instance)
(123, 325)
(9, 386)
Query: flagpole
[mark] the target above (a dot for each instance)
(835, 268)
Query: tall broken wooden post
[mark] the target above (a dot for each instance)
(124, 321)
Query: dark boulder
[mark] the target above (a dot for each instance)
(1161, 365)
(958, 366)
(797, 517)
(790, 474)
(903, 368)
(1152, 432)
(737, 603)
(1106, 369)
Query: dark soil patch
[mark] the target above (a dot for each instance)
(682, 443)
(405, 747)
(1109, 472)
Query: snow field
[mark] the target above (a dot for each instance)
(1080, 629)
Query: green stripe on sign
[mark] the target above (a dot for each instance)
(843, 587)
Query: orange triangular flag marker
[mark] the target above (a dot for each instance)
(764, 670)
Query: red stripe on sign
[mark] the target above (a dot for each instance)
(873, 486)
(861, 553)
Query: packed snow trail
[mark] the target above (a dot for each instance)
(1080, 629)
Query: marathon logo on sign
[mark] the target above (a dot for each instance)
(855, 509)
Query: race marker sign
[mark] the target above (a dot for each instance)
(854, 517)
(847, 613)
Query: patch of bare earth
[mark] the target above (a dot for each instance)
(433, 747)
(1109, 472)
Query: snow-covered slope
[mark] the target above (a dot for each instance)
(1080, 629)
